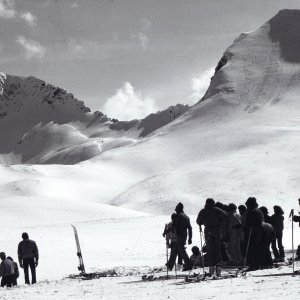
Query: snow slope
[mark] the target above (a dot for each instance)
(240, 140)
(44, 124)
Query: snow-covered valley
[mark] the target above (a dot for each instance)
(119, 182)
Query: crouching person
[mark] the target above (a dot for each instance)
(196, 258)
(6, 271)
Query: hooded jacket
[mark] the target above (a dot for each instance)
(6, 267)
(213, 218)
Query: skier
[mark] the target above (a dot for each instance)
(212, 218)
(6, 271)
(28, 255)
(277, 221)
(224, 233)
(195, 258)
(183, 226)
(235, 234)
(253, 232)
(268, 236)
(265, 212)
(16, 271)
(171, 240)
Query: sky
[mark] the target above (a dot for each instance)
(127, 58)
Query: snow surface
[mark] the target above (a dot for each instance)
(240, 140)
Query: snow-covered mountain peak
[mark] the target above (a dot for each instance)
(260, 67)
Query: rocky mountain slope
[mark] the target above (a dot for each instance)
(41, 123)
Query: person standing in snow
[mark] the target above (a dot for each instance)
(171, 241)
(212, 218)
(183, 231)
(235, 235)
(277, 221)
(6, 271)
(28, 255)
(16, 271)
(253, 232)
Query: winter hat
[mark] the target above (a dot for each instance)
(242, 208)
(278, 210)
(220, 205)
(195, 250)
(179, 207)
(210, 202)
(232, 207)
(25, 236)
(251, 203)
(264, 210)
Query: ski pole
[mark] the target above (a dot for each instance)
(167, 255)
(292, 216)
(248, 242)
(201, 251)
(175, 270)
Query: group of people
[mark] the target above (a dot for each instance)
(235, 236)
(28, 256)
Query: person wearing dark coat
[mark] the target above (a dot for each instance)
(265, 212)
(196, 258)
(212, 218)
(171, 241)
(224, 233)
(268, 236)
(6, 271)
(16, 271)
(183, 231)
(28, 255)
(253, 232)
(277, 221)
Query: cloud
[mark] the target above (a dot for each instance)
(29, 18)
(200, 84)
(128, 104)
(7, 10)
(32, 48)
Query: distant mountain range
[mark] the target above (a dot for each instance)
(41, 123)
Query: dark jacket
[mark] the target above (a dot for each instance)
(183, 225)
(267, 219)
(16, 270)
(253, 219)
(6, 268)
(213, 218)
(27, 249)
(277, 222)
(268, 232)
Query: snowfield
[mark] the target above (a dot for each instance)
(119, 182)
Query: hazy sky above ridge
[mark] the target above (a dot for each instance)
(135, 55)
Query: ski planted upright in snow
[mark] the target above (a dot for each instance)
(79, 253)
